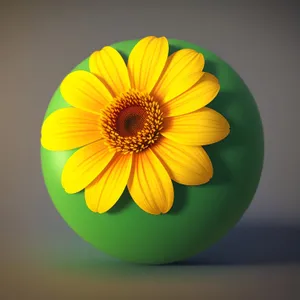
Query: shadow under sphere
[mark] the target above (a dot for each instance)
(201, 215)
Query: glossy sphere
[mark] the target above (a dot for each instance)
(200, 215)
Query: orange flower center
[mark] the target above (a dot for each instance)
(132, 122)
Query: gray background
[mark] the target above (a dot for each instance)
(42, 41)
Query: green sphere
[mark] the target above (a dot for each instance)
(201, 215)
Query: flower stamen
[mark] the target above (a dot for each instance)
(132, 122)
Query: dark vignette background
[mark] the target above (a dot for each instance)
(41, 41)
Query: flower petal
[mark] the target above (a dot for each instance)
(183, 69)
(103, 193)
(108, 65)
(185, 164)
(146, 62)
(150, 185)
(203, 127)
(193, 99)
(69, 128)
(84, 166)
(84, 90)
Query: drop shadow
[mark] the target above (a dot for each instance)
(222, 174)
(173, 49)
(124, 202)
(226, 103)
(180, 193)
(237, 137)
(210, 67)
(252, 244)
(246, 245)
(124, 55)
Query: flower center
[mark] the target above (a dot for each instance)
(132, 122)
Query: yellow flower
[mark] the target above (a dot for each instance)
(141, 125)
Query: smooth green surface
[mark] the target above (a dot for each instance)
(200, 215)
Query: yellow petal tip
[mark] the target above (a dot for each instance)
(156, 212)
(69, 190)
(102, 211)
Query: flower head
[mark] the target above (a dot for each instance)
(139, 125)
